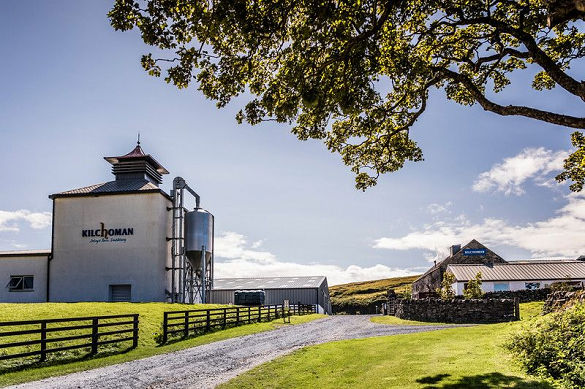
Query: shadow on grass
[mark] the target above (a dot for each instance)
(481, 381)
(61, 360)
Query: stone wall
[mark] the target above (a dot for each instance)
(457, 311)
(525, 295)
(562, 300)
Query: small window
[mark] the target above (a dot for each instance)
(21, 283)
(501, 286)
(532, 285)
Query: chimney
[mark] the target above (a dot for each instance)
(454, 249)
(435, 264)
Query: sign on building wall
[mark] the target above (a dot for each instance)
(474, 251)
(107, 235)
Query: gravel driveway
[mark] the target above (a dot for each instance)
(211, 364)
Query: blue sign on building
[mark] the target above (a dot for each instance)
(474, 251)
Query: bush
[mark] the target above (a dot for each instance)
(446, 291)
(473, 289)
(553, 347)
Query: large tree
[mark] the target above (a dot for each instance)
(357, 73)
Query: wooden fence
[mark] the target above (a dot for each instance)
(94, 324)
(203, 320)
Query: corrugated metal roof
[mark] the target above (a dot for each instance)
(24, 253)
(113, 187)
(268, 282)
(541, 270)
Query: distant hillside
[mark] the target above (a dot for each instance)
(364, 296)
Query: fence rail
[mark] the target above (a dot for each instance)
(93, 326)
(204, 320)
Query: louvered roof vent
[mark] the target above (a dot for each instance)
(136, 165)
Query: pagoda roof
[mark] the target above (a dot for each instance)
(138, 155)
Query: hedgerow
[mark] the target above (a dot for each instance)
(553, 347)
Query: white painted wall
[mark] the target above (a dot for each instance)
(83, 270)
(35, 266)
(488, 286)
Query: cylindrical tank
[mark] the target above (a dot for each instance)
(198, 234)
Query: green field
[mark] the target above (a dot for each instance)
(464, 357)
(367, 292)
(151, 315)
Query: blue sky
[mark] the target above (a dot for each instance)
(73, 91)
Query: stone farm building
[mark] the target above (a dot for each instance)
(497, 274)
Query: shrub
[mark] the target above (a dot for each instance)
(406, 293)
(446, 291)
(473, 289)
(553, 347)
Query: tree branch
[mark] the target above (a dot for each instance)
(536, 53)
(511, 110)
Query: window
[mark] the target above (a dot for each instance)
(501, 286)
(21, 283)
(532, 285)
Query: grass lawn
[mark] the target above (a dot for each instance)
(464, 357)
(151, 314)
(393, 320)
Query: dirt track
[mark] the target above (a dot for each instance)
(211, 364)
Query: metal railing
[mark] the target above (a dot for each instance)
(199, 321)
(95, 323)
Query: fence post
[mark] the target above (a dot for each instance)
(259, 314)
(517, 308)
(249, 314)
(268, 317)
(208, 322)
(43, 341)
(165, 327)
(224, 317)
(94, 336)
(186, 329)
(237, 316)
(135, 333)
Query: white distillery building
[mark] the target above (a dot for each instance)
(109, 241)
(519, 275)
(123, 240)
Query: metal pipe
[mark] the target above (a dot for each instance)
(203, 274)
(181, 250)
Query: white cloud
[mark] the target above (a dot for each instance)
(531, 163)
(231, 245)
(435, 208)
(257, 244)
(237, 258)
(560, 235)
(9, 220)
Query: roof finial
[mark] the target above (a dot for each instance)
(138, 138)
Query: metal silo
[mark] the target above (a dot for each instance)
(199, 247)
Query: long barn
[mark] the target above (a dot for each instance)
(306, 290)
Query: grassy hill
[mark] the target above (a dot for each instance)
(364, 296)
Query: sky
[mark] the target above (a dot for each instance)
(72, 91)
